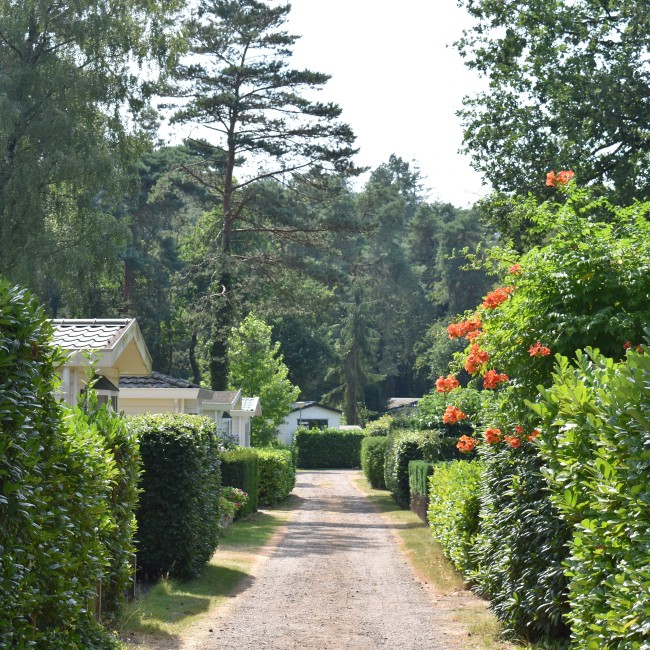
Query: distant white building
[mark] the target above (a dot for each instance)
(308, 414)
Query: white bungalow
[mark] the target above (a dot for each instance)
(308, 414)
(116, 350)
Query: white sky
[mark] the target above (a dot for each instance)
(398, 79)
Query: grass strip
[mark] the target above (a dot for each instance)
(170, 606)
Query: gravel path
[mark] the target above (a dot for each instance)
(335, 581)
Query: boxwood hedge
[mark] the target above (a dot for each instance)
(328, 448)
(373, 453)
(419, 472)
(277, 475)
(178, 516)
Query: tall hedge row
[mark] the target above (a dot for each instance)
(328, 448)
(277, 475)
(599, 471)
(239, 468)
(57, 479)
(373, 454)
(178, 516)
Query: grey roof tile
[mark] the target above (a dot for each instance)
(155, 380)
(96, 334)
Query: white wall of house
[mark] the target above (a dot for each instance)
(330, 419)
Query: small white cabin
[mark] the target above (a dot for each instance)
(308, 414)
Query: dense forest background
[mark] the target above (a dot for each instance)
(259, 208)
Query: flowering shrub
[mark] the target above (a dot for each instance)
(447, 385)
(588, 285)
(453, 415)
(231, 500)
(491, 379)
(476, 359)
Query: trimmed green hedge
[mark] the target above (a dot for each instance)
(239, 468)
(419, 472)
(277, 475)
(328, 448)
(57, 477)
(178, 517)
(454, 509)
(404, 446)
(401, 448)
(595, 441)
(373, 454)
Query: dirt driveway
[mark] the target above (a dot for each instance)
(336, 580)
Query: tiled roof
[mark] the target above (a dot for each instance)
(401, 402)
(299, 406)
(96, 334)
(224, 396)
(154, 380)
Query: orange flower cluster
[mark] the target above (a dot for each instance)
(446, 385)
(515, 269)
(492, 436)
(453, 415)
(533, 435)
(513, 441)
(561, 178)
(467, 328)
(475, 359)
(496, 297)
(538, 350)
(466, 444)
(629, 345)
(492, 379)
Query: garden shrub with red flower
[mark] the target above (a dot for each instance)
(588, 285)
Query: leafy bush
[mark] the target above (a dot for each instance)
(521, 544)
(239, 468)
(178, 517)
(277, 475)
(454, 509)
(231, 500)
(597, 417)
(588, 285)
(373, 452)
(328, 448)
(402, 447)
(379, 427)
(419, 472)
(55, 521)
(123, 499)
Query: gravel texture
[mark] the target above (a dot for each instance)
(335, 580)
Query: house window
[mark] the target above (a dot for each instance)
(313, 424)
